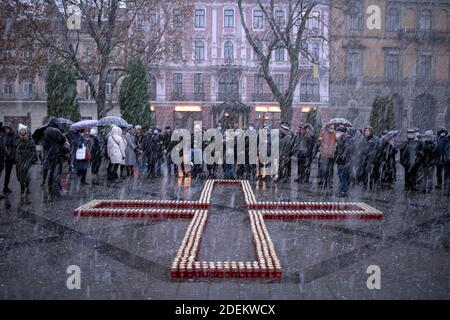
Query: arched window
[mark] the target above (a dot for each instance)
(228, 87)
(393, 19)
(309, 89)
(425, 20)
(152, 87)
(228, 53)
(354, 16)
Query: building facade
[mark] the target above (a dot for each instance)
(214, 76)
(406, 58)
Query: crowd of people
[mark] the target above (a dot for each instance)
(361, 157)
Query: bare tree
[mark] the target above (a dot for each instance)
(111, 32)
(288, 33)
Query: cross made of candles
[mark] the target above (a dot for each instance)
(185, 264)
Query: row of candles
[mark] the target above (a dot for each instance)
(137, 213)
(226, 269)
(205, 196)
(149, 204)
(319, 214)
(307, 205)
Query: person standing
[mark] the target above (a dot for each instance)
(443, 141)
(25, 157)
(56, 146)
(8, 159)
(96, 153)
(369, 165)
(116, 152)
(327, 148)
(428, 161)
(305, 143)
(411, 153)
(386, 157)
(130, 152)
(343, 159)
(286, 144)
(82, 152)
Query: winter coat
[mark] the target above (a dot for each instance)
(8, 145)
(53, 142)
(369, 154)
(25, 150)
(153, 145)
(343, 150)
(327, 143)
(429, 153)
(116, 146)
(2, 149)
(411, 154)
(286, 146)
(442, 143)
(96, 154)
(78, 142)
(130, 150)
(386, 158)
(305, 146)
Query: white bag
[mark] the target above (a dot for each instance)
(81, 153)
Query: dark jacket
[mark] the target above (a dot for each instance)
(25, 157)
(411, 154)
(54, 141)
(304, 145)
(429, 153)
(343, 150)
(442, 143)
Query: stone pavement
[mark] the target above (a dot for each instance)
(126, 258)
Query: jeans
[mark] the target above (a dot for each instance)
(344, 177)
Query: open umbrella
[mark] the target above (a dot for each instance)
(110, 120)
(65, 121)
(340, 121)
(83, 124)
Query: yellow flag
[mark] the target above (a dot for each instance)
(315, 70)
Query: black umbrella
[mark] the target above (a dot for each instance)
(38, 134)
(111, 120)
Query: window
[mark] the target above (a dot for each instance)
(108, 88)
(260, 47)
(177, 84)
(27, 88)
(258, 84)
(87, 91)
(7, 54)
(425, 20)
(354, 17)
(140, 19)
(309, 89)
(198, 84)
(200, 18)
(353, 63)
(279, 53)
(152, 87)
(228, 53)
(152, 17)
(26, 55)
(177, 51)
(392, 66)
(314, 20)
(7, 88)
(258, 19)
(315, 52)
(228, 18)
(279, 17)
(424, 67)
(279, 81)
(228, 87)
(199, 48)
(393, 19)
(177, 20)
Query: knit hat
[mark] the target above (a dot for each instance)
(284, 126)
(22, 126)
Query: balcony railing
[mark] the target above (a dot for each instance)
(190, 96)
(413, 35)
(263, 97)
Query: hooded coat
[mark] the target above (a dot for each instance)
(130, 153)
(53, 141)
(8, 144)
(116, 146)
(25, 156)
